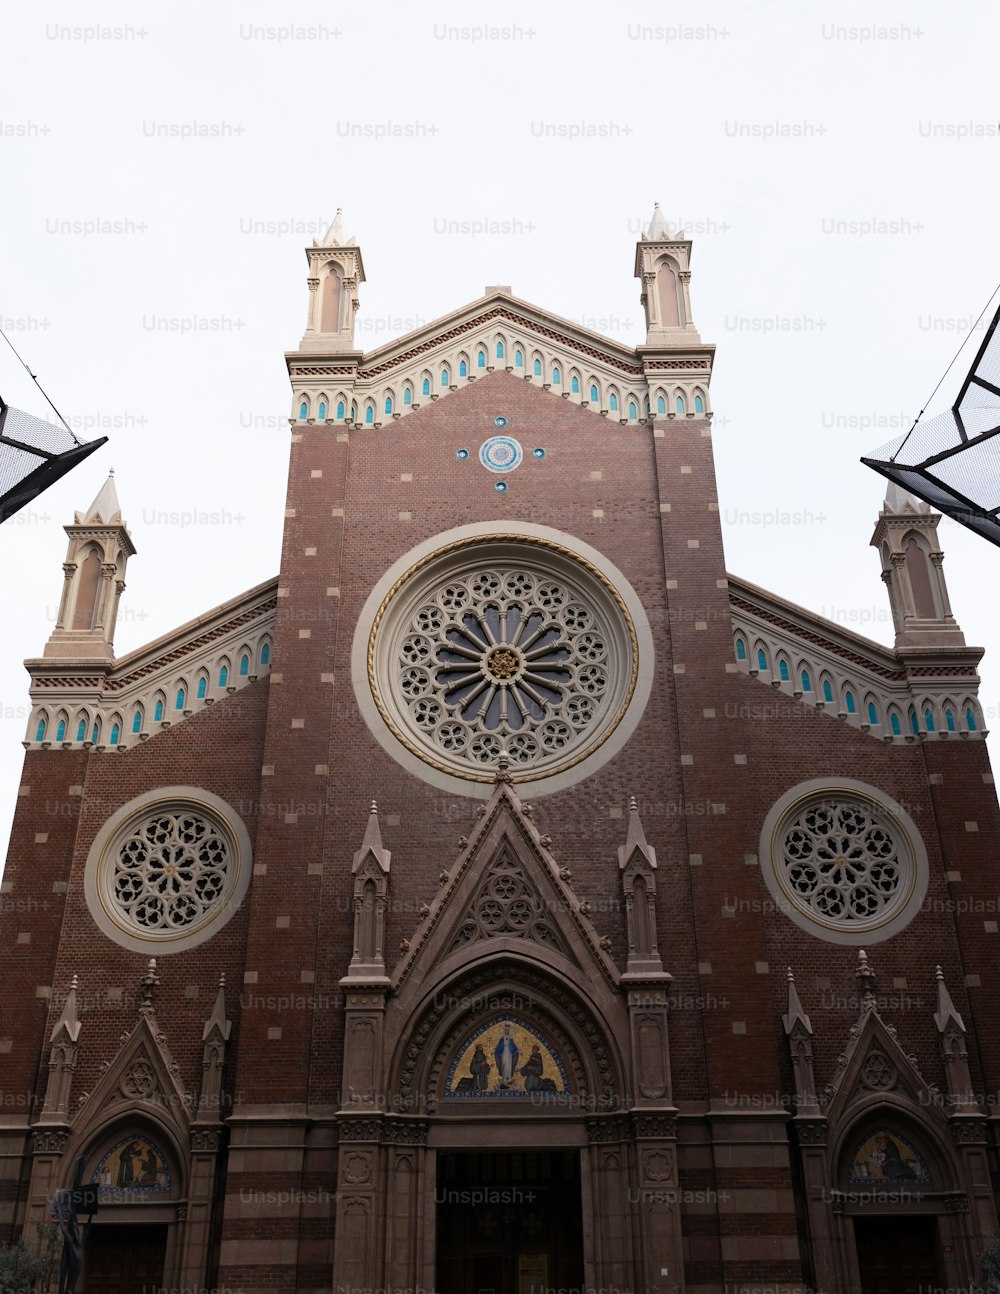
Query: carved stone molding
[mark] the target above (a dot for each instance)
(207, 1139)
(661, 1126)
(49, 1141)
(810, 1132)
(968, 1132)
(360, 1129)
(404, 1132)
(878, 1073)
(616, 1128)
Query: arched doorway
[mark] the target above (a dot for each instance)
(896, 1194)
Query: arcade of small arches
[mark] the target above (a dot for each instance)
(155, 708)
(581, 386)
(875, 712)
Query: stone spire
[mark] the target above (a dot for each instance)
(336, 272)
(336, 235)
(105, 507)
(371, 895)
(93, 581)
(954, 1053)
(906, 535)
(214, 1037)
(637, 868)
(657, 230)
(663, 263)
(798, 1028)
(795, 1018)
(63, 1043)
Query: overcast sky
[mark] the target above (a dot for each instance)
(163, 167)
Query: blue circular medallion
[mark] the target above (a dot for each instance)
(461, 453)
(500, 421)
(500, 487)
(538, 453)
(501, 453)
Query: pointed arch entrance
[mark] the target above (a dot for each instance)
(506, 1105)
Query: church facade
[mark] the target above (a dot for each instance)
(505, 898)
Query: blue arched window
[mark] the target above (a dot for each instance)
(322, 410)
(761, 658)
(388, 404)
(741, 649)
(699, 404)
(574, 385)
(179, 703)
(224, 676)
(538, 368)
(632, 411)
(340, 409)
(849, 703)
(481, 359)
(593, 395)
(556, 377)
(265, 653)
(95, 734)
(928, 720)
(913, 723)
(499, 350)
(680, 405)
(158, 712)
(202, 689)
(806, 681)
(407, 395)
(519, 358)
(369, 415)
(827, 691)
(61, 730)
(115, 734)
(40, 730)
(427, 386)
(949, 719)
(970, 720)
(613, 403)
(872, 713)
(661, 404)
(894, 725)
(463, 368)
(303, 411)
(244, 665)
(445, 378)
(81, 730)
(783, 671)
(137, 721)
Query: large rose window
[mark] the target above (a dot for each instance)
(502, 645)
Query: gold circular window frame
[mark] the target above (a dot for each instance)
(491, 540)
(899, 904)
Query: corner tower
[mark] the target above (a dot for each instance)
(906, 536)
(663, 263)
(99, 548)
(336, 272)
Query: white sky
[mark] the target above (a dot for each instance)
(218, 146)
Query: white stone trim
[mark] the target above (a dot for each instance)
(541, 786)
(907, 835)
(157, 670)
(98, 858)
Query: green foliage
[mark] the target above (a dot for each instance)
(27, 1264)
(987, 1279)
